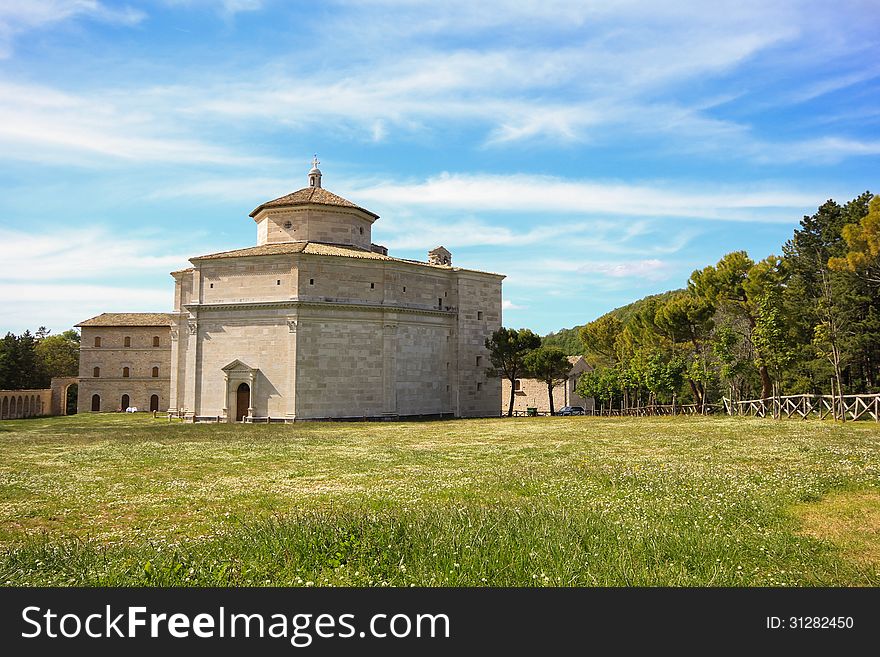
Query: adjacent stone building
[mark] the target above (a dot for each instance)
(125, 361)
(315, 321)
(531, 393)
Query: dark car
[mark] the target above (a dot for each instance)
(571, 410)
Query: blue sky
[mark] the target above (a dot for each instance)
(594, 152)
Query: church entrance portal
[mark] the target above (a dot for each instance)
(243, 401)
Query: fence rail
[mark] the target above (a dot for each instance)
(849, 407)
(846, 407)
(658, 409)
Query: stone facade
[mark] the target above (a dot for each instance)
(16, 404)
(531, 393)
(315, 322)
(125, 357)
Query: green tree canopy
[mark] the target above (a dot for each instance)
(550, 365)
(59, 354)
(863, 245)
(507, 351)
(600, 337)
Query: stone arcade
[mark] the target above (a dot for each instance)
(314, 322)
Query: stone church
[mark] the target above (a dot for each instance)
(315, 321)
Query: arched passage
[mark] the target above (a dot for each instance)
(154, 402)
(4, 413)
(96, 402)
(242, 401)
(71, 394)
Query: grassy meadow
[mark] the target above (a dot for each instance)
(111, 500)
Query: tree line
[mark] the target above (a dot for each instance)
(806, 321)
(30, 360)
(518, 353)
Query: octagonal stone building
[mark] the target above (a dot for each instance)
(316, 321)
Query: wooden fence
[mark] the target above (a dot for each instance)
(849, 407)
(658, 409)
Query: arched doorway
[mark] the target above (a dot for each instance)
(154, 403)
(70, 398)
(96, 402)
(126, 402)
(242, 401)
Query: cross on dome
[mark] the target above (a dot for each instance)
(315, 173)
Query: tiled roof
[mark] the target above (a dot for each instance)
(311, 195)
(283, 248)
(129, 319)
(319, 248)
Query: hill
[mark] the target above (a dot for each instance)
(569, 339)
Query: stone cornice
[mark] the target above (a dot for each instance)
(294, 303)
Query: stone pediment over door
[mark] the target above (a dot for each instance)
(238, 367)
(241, 390)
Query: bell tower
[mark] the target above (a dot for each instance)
(315, 173)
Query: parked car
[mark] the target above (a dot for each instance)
(571, 410)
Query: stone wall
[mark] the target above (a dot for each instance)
(24, 403)
(533, 393)
(112, 356)
(314, 224)
(342, 337)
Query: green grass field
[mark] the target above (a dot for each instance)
(132, 500)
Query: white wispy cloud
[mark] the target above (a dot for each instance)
(83, 254)
(60, 306)
(615, 78)
(17, 17)
(43, 124)
(652, 269)
(226, 8)
(522, 193)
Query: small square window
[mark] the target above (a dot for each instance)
(479, 386)
(479, 359)
(372, 286)
(212, 286)
(311, 281)
(362, 230)
(288, 225)
(404, 288)
(479, 314)
(278, 282)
